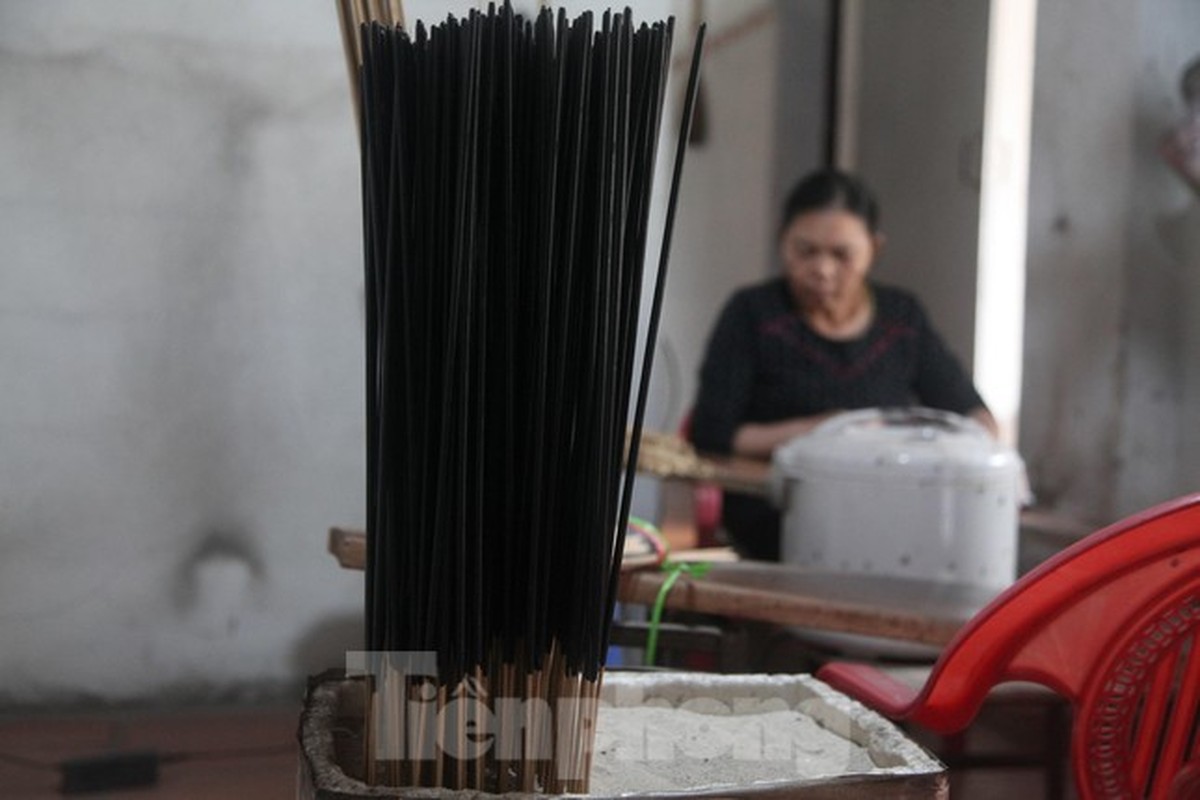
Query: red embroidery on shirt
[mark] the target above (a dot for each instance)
(783, 327)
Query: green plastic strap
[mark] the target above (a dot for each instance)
(696, 569)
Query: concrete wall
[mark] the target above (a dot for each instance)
(725, 231)
(918, 115)
(180, 335)
(180, 346)
(1160, 436)
(180, 304)
(805, 94)
(1080, 174)
(1104, 406)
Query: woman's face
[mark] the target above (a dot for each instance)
(827, 255)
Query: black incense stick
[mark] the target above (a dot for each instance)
(507, 169)
(655, 312)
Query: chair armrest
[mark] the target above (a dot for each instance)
(871, 687)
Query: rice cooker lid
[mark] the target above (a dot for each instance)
(909, 441)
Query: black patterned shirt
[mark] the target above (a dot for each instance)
(765, 364)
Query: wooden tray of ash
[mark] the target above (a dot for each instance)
(674, 735)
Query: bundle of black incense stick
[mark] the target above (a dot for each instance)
(507, 168)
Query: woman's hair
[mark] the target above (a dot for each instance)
(831, 189)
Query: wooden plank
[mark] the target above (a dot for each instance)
(926, 612)
(915, 611)
(349, 547)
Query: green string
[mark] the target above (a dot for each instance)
(644, 523)
(696, 569)
(652, 533)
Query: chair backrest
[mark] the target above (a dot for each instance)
(1110, 623)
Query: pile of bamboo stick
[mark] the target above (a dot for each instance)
(507, 169)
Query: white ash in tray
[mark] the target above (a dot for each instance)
(690, 733)
(658, 749)
(710, 732)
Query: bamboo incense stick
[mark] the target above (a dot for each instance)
(507, 173)
(656, 309)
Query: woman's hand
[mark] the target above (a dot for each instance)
(759, 440)
(985, 418)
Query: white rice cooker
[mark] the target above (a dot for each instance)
(908, 492)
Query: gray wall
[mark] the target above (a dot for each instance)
(919, 112)
(1159, 452)
(180, 303)
(180, 346)
(725, 232)
(180, 335)
(804, 92)
(1107, 421)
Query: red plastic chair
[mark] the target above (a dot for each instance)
(1110, 623)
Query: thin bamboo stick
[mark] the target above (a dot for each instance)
(507, 169)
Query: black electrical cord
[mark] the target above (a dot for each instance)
(126, 769)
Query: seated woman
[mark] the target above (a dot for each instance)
(791, 352)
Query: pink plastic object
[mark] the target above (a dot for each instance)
(1111, 624)
(706, 499)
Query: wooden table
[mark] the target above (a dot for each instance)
(910, 610)
(896, 608)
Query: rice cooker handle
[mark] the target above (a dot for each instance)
(918, 416)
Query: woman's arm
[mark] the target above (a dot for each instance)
(759, 439)
(941, 380)
(726, 379)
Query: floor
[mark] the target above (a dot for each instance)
(246, 753)
(221, 753)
